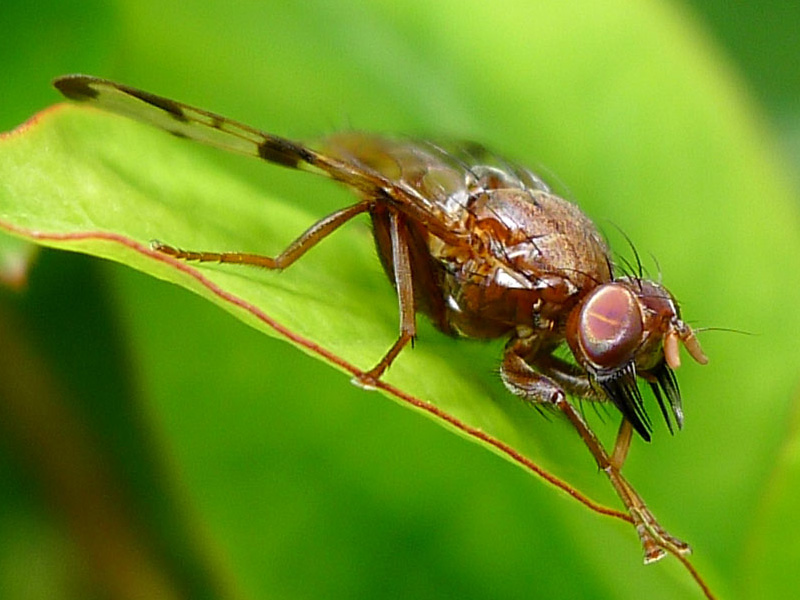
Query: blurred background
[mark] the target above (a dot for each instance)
(153, 446)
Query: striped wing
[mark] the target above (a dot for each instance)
(209, 128)
(426, 182)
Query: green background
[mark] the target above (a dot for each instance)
(231, 465)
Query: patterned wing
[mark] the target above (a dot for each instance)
(208, 128)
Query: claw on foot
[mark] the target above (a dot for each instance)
(366, 381)
(655, 540)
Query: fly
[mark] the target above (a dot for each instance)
(483, 248)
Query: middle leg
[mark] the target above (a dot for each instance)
(404, 284)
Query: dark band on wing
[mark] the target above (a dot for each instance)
(76, 88)
(286, 153)
(169, 106)
(79, 87)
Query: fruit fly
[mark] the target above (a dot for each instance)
(485, 249)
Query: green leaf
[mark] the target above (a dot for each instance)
(772, 552)
(109, 199)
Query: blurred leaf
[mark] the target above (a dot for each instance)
(16, 256)
(768, 559)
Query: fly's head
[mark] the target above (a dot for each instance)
(627, 328)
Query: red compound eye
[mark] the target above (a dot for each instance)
(610, 326)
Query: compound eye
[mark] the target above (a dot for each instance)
(610, 326)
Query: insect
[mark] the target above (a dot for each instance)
(483, 248)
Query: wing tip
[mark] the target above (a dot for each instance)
(76, 87)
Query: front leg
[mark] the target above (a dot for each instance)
(521, 379)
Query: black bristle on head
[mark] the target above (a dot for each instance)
(621, 388)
